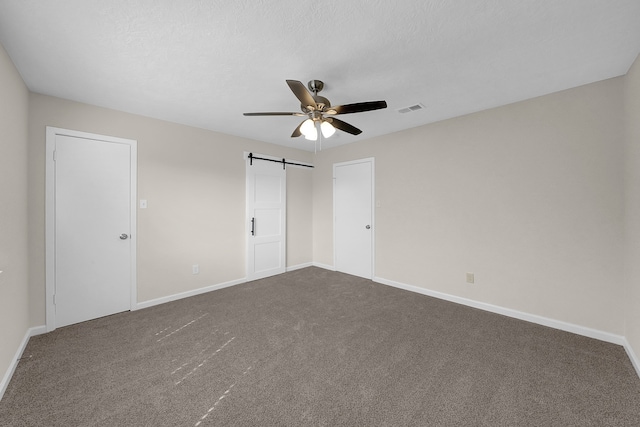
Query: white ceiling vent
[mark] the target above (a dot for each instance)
(411, 108)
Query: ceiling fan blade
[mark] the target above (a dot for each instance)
(296, 133)
(302, 94)
(274, 113)
(344, 126)
(358, 107)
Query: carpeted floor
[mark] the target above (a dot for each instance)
(318, 348)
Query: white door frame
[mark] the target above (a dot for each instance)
(50, 219)
(373, 211)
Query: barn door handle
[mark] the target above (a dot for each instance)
(253, 226)
(123, 236)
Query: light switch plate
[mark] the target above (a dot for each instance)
(143, 204)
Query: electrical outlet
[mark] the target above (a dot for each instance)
(470, 278)
(195, 269)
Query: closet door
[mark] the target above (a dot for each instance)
(353, 217)
(92, 227)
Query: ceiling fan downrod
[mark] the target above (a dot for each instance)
(315, 86)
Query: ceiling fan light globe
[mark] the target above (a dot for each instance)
(312, 135)
(308, 127)
(327, 129)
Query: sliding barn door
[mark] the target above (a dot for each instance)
(266, 219)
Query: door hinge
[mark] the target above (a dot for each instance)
(54, 155)
(54, 299)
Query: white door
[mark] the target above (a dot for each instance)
(266, 219)
(353, 217)
(92, 224)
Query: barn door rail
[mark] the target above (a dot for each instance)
(283, 161)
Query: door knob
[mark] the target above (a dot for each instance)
(123, 236)
(367, 227)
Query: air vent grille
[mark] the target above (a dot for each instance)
(411, 108)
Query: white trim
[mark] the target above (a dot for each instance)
(371, 160)
(635, 361)
(37, 330)
(50, 224)
(50, 140)
(133, 234)
(299, 266)
(187, 294)
(552, 323)
(325, 266)
(6, 379)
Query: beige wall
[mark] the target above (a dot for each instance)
(632, 212)
(528, 196)
(299, 216)
(194, 182)
(14, 290)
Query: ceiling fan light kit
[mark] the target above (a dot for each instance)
(320, 113)
(312, 133)
(308, 128)
(327, 129)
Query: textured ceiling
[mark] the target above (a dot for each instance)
(205, 62)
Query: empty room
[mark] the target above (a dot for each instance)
(295, 213)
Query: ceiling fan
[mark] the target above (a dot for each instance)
(320, 113)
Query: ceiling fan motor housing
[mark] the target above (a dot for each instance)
(322, 104)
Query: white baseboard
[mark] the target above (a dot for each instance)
(174, 297)
(181, 295)
(325, 266)
(635, 361)
(299, 266)
(31, 332)
(37, 330)
(552, 323)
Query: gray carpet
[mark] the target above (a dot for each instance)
(318, 348)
